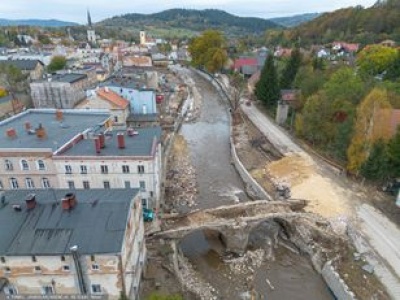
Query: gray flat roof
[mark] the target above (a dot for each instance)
(58, 133)
(137, 145)
(69, 77)
(96, 224)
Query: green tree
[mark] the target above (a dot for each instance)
(12, 78)
(393, 71)
(158, 296)
(375, 59)
(291, 68)
(267, 88)
(208, 50)
(57, 63)
(394, 154)
(376, 166)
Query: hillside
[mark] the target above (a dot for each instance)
(36, 22)
(295, 20)
(354, 24)
(194, 21)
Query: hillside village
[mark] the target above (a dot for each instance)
(119, 157)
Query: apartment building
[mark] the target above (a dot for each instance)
(115, 159)
(55, 244)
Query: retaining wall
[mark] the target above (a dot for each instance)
(336, 284)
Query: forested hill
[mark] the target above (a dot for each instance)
(36, 22)
(194, 20)
(295, 20)
(356, 24)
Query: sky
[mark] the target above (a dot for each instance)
(75, 10)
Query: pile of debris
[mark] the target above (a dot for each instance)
(181, 186)
(246, 264)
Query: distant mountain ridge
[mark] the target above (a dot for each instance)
(295, 20)
(194, 20)
(36, 22)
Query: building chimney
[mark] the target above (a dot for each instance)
(121, 140)
(11, 133)
(65, 204)
(97, 144)
(102, 139)
(27, 126)
(72, 200)
(40, 132)
(59, 115)
(30, 201)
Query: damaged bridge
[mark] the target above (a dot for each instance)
(234, 223)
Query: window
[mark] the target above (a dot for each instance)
(38, 269)
(41, 166)
(86, 185)
(46, 183)
(125, 169)
(65, 268)
(62, 258)
(96, 289)
(71, 185)
(142, 185)
(7, 270)
(95, 267)
(106, 184)
(144, 203)
(13, 183)
(68, 169)
(34, 258)
(127, 184)
(8, 165)
(24, 165)
(116, 119)
(2, 259)
(83, 169)
(104, 169)
(1, 185)
(47, 290)
(10, 290)
(92, 258)
(140, 169)
(29, 183)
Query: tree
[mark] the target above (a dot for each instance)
(376, 166)
(57, 63)
(208, 50)
(158, 296)
(375, 59)
(12, 78)
(291, 68)
(367, 129)
(238, 85)
(393, 71)
(394, 154)
(267, 88)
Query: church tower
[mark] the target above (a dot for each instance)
(142, 37)
(91, 34)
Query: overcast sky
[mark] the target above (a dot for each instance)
(75, 10)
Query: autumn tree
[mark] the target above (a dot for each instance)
(238, 87)
(57, 63)
(365, 129)
(207, 50)
(267, 88)
(291, 68)
(375, 59)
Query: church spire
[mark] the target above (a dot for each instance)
(89, 19)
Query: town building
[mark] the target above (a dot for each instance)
(115, 159)
(55, 244)
(59, 91)
(32, 67)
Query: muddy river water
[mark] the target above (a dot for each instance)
(287, 275)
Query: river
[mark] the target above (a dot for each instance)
(291, 276)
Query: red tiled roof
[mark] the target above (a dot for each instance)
(240, 62)
(113, 97)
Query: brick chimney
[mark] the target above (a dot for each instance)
(59, 115)
(65, 204)
(97, 144)
(27, 126)
(71, 199)
(41, 132)
(11, 133)
(121, 140)
(30, 201)
(102, 139)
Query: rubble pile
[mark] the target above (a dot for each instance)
(193, 282)
(181, 186)
(247, 264)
